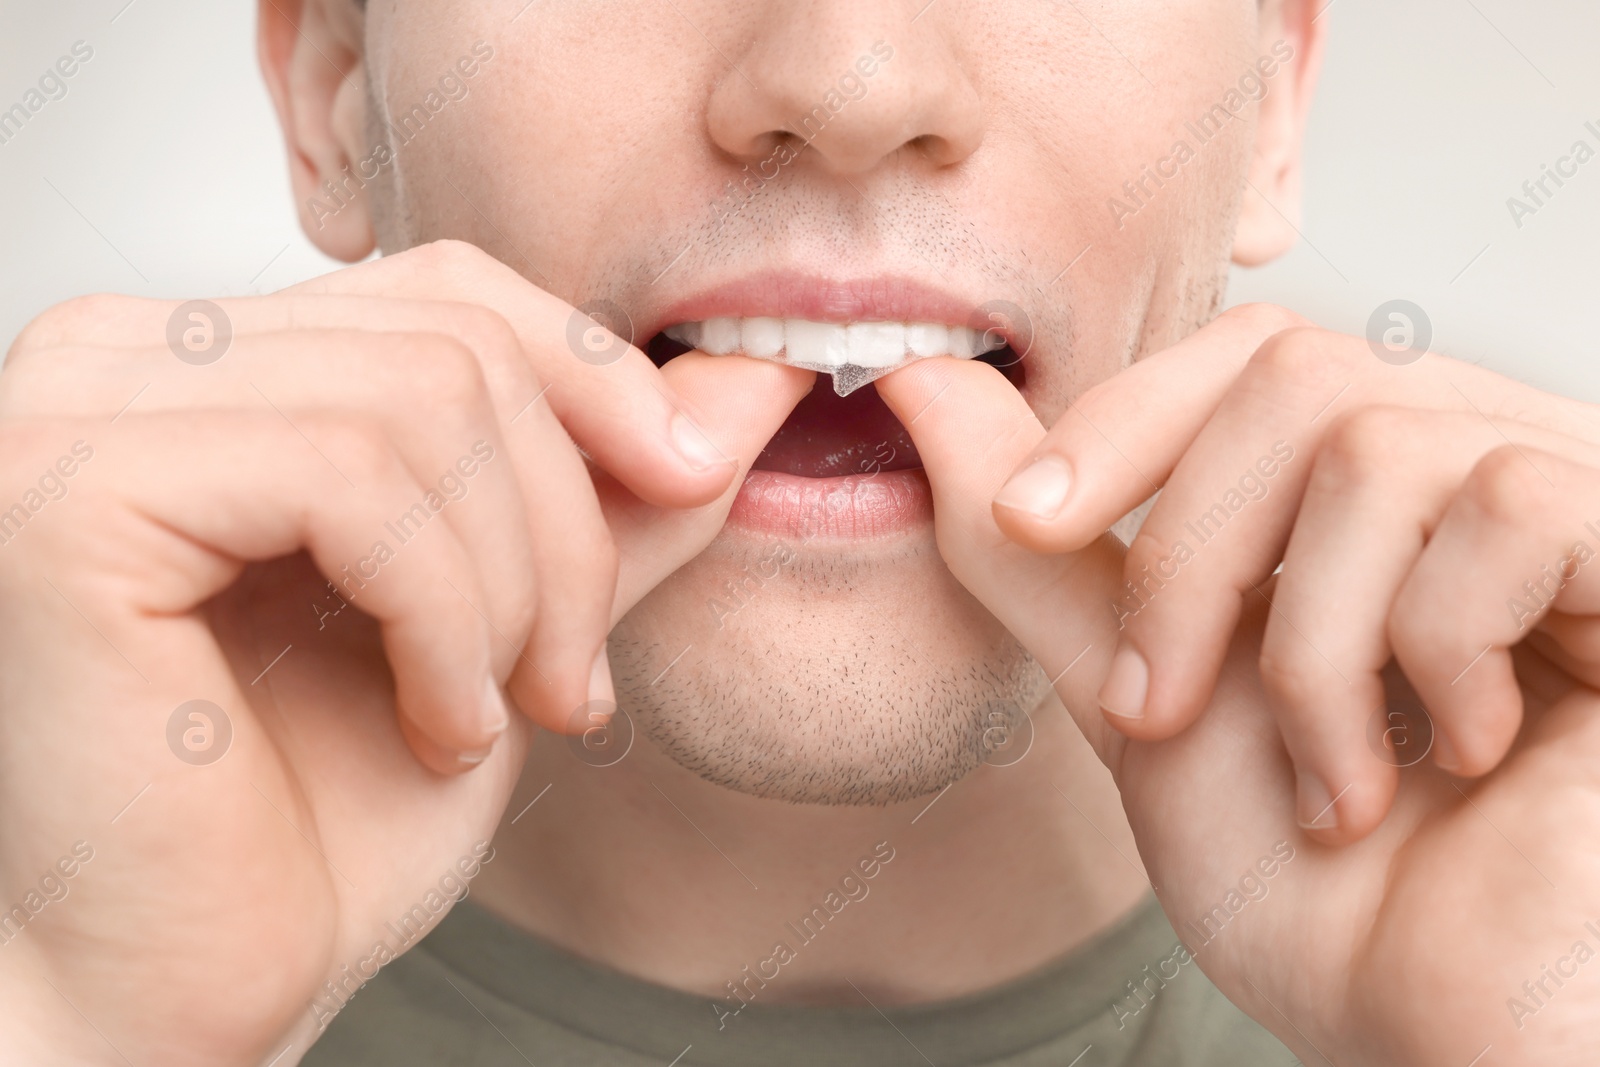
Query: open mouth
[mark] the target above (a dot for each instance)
(841, 468)
(827, 435)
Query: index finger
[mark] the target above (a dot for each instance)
(1121, 440)
(605, 391)
(969, 424)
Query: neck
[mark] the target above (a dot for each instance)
(651, 871)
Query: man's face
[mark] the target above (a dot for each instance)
(656, 156)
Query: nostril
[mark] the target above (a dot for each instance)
(944, 151)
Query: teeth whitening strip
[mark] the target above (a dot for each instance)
(855, 354)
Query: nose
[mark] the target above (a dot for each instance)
(848, 83)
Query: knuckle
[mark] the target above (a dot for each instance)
(1418, 636)
(64, 322)
(442, 373)
(1366, 440)
(484, 329)
(360, 447)
(1144, 554)
(1289, 676)
(1504, 488)
(1303, 358)
(446, 250)
(492, 340)
(454, 258)
(1148, 569)
(1264, 319)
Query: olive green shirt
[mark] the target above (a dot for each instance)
(479, 993)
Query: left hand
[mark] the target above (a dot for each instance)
(1409, 945)
(1407, 504)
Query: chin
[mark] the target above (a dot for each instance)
(820, 672)
(819, 651)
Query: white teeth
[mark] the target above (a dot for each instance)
(818, 345)
(685, 333)
(719, 337)
(927, 339)
(763, 338)
(854, 353)
(875, 345)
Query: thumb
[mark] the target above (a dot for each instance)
(971, 428)
(737, 404)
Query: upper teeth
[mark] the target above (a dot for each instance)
(825, 346)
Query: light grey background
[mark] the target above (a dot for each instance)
(161, 172)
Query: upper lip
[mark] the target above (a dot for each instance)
(789, 295)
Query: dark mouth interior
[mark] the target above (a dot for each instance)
(827, 435)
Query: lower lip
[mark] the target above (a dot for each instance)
(853, 507)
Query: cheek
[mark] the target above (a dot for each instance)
(1153, 269)
(586, 113)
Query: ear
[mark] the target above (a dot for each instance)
(311, 55)
(1292, 36)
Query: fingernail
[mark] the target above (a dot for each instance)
(1039, 489)
(475, 756)
(1445, 755)
(494, 716)
(1123, 693)
(1313, 803)
(601, 687)
(693, 445)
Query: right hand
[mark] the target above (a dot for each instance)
(196, 544)
(1402, 947)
